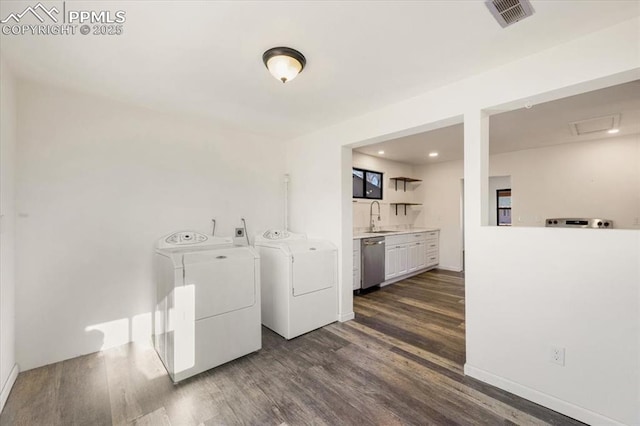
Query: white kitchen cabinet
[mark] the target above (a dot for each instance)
(356, 264)
(396, 259)
(391, 262)
(407, 254)
(403, 259)
(432, 259)
(421, 255)
(417, 255)
(432, 249)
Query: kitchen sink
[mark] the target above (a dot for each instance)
(381, 232)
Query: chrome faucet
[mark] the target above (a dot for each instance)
(372, 226)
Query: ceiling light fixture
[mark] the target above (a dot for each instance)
(380, 152)
(613, 131)
(433, 154)
(284, 63)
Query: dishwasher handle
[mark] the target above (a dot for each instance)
(373, 243)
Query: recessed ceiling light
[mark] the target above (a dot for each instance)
(613, 131)
(433, 154)
(380, 152)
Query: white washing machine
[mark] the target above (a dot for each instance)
(299, 282)
(207, 302)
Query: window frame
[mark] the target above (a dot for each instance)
(499, 209)
(364, 184)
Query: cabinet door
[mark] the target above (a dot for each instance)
(413, 256)
(390, 262)
(421, 255)
(402, 259)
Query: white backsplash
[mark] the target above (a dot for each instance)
(388, 218)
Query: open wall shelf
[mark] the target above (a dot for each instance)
(405, 206)
(404, 180)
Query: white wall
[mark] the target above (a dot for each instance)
(388, 216)
(441, 192)
(598, 178)
(98, 182)
(593, 262)
(8, 368)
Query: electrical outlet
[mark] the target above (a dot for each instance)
(557, 355)
(239, 232)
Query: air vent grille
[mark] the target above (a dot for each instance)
(594, 125)
(509, 12)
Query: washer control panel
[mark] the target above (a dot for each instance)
(186, 237)
(275, 234)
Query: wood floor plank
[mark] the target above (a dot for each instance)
(83, 395)
(33, 399)
(154, 418)
(136, 380)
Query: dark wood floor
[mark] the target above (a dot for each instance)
(399, 362)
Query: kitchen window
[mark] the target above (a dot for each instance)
(367, 184)
(503, 197)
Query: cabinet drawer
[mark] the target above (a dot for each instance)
(432, 245)
(432, 259)
(418, 236)
(393, 240)
(431, 235)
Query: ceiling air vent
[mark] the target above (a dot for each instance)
(509, 12)
(594, 125)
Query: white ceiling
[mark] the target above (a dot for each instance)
(204, 57)
(541, 125)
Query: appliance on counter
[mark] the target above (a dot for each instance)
(299, 280)
(207, 302)
(564, 222)
(373, 254)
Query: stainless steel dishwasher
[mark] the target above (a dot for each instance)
(372, 261)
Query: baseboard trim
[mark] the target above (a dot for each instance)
(346, 317)
(450, 268)
(556, 404)
(8, 385)
(409, 275)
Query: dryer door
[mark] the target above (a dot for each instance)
(314, 266)
(224, 280)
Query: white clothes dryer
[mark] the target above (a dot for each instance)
(299, 280)
(207, 302)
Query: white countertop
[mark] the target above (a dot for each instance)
(395, 232)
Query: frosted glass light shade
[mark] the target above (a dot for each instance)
(284, 63)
